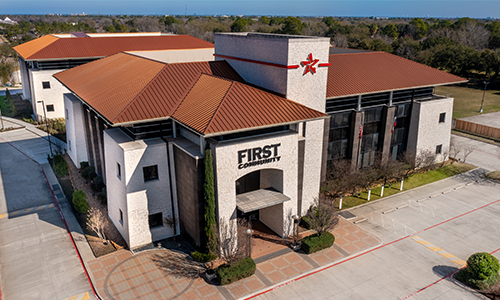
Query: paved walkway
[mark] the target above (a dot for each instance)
(164, 274)
(37, 257)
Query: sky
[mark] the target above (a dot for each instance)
(351, 8)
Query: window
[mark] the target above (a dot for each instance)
(121, 216)
(155, 220)
(69, 145)
(46, 85)
(438, 149)
(118, 170)
(67, 114)
(304, 129)
(150, 173)
(442, 117)
(50, 107)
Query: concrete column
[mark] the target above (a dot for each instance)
(324, 158)
(88, 134)
(356, 118)
(387, 124)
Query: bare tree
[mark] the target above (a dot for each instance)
(427, 158)
(231, 240)
(474, 35)
(97, 221)
(455, 149)
(467, 151)
(340, 40)
(322, 215)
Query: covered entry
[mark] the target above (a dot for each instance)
(259, 196)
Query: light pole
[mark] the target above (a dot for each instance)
(484, 92)
(46, 125)
(296, 219)
(249, 248)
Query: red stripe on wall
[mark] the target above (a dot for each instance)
(258, 62)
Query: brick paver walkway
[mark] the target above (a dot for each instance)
(164, 274)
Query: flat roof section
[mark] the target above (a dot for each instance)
(259, 199)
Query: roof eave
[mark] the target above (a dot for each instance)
(399, 89)
(260, 127)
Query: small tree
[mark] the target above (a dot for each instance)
(455, 149)
(97, 221)
(231, 240)
(481, 271)
(80, 201)
(322, 215)
(209, 196)
(467, 151)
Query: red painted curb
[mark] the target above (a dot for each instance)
(64, 221)
(376, 248)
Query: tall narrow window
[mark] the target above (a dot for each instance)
(121, 216)
(118, 170)
(439, 148)
(442, 117)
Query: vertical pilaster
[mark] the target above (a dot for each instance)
(356, 119)
(387, 127)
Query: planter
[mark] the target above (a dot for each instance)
(210, 275)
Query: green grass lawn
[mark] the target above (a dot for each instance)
(3, 104)
(413, 181)
(494, 175)
(468, 100)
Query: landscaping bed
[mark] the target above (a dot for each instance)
(495, 175)
(315, 243)
(241, 269)
(70, 180)
(411, 182)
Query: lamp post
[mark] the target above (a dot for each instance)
(296, 219)
(484, 92)
(249, 238)
(46, 125)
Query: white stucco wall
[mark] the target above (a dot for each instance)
(53, 96)
(227, 172)
(76, 144)
(426, 132)
(136, 198)
(308, 89)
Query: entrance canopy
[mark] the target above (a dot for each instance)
(259, 199)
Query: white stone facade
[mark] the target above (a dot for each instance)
(128, 191)
(426, 131)
(50, 96)
(75, 130)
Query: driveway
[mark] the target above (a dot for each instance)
(424, 242)
(37, 257)
(484, 155)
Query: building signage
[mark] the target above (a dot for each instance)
(310, 64)
(258, 156)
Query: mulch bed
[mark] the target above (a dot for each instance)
(98, 247)
(493, 292)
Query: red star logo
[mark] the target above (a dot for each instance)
(309, 64)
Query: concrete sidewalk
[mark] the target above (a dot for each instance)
(164, 274)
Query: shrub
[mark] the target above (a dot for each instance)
(203, 257)
(241, 269)
(315, 242)
(84, 165)
(481, 271)
(89, 173)
(80, 201)
(60, 166)
(98, 184)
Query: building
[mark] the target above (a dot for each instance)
(50, 54)
(273, 109)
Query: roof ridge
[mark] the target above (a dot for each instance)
(220, 104)
(143, 89)
(358, 53)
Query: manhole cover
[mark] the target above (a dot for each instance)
(347, 215)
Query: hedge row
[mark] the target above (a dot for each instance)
(314, 243)
(241, 269)
(203, 257)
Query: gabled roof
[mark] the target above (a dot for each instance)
(219, 105)
(361, 73)
(126, 88)
(209, 97)
(58, 47)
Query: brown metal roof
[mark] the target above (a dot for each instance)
(360, 73)
(109, 85)
(217, 105)
(52, 47)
